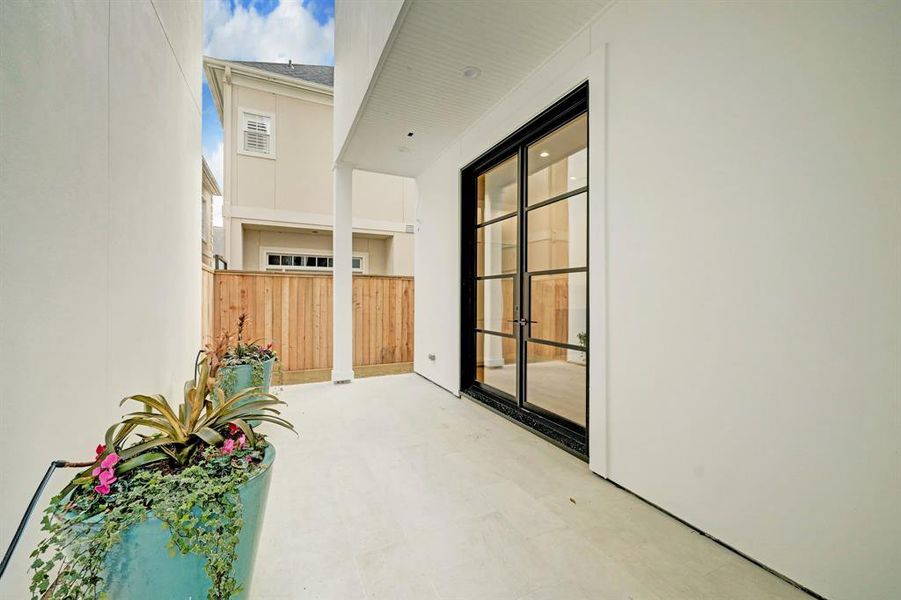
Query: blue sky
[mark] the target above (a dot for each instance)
(262, 30)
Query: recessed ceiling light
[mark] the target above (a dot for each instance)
(544, 154)
(472, 72)
(572, 178)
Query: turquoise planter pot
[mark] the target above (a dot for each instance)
(243, 374)
(242, 379)
(140, 567)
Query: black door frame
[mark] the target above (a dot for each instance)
(558, 430)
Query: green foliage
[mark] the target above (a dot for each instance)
(246, 352)
(201, 417)
(232, 350)
(227, 380)
(199, 504)
(179, 473)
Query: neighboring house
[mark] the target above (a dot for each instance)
(209, 188)
(717, 184)
(278, 179)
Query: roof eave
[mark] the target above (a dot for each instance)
(208, 178)
(211, 64)
(215, 86)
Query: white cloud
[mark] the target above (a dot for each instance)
(290, 31)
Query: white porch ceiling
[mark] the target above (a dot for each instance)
(421, 87)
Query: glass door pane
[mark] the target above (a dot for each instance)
(497, 191)
(497, 256)
(559, 308)
(496, 248)
(556, 278)
(557, 234)
(494, 305)
(525, 288)
(496, 362)
(558, 162)
(556, 381)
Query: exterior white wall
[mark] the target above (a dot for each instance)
(399, 250)
(745, 213)
(364, 30)
(99, 244)
(436, 319)
(383, 197)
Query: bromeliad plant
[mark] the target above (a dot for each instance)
(186, 471)
(232, 350)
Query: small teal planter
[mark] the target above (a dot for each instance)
(139, 566)
(243, 374)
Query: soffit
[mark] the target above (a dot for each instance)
(421, 88)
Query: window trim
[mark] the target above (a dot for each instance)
(240, 129)
(266, 250)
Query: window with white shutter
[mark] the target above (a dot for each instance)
(256, 130)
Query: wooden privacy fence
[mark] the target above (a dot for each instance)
(294, 313)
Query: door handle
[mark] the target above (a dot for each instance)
(521, 322)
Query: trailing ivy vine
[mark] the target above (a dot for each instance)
(187, 474)
(228, 381)
(200, 504)
(256, 373)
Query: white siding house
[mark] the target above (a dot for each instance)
(277, 188)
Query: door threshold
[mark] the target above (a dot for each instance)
(572, 442)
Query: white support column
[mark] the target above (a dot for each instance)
(235, 244)
(342, 290)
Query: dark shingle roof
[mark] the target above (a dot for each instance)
(321, 74)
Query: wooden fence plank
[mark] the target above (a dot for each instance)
(294, 313)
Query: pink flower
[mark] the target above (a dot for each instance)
(107, 477)
(110, 461)
(102, 489)
(241, 441)
(228, 447)
(100, 449)
(96, 471)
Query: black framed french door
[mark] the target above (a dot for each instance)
(524, 285)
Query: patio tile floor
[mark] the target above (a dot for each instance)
(396, 489)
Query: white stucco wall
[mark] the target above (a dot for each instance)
(436, 320)
(745, 234)
(99, 241)
(362, 30)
